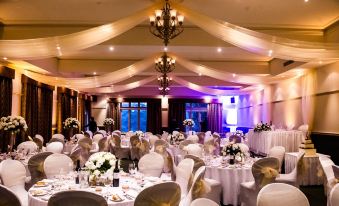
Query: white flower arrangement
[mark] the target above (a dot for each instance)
(188, 122)
(100, 163)
(233, 149)
(139, 133)
(13, 124)
(176, 138)
(108, 122)
(71, 122)
(262, 127)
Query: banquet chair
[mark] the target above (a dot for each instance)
(329, 180)
(27, 147)
(163, 194)
(75, 155)
(293, 177)
(279, 153)
(13, 176)
(264, 172)
(152, 140)
(183, 174)
(161, 142)
(8, 198)
(280, 194)
(36, 167)
(201, 137)
(135, 153)
(39, 143)
(185, 143)
(211, 147)
(168, 159)
(76, 198)
(103, 145)
(196, 188)
(89, 133)
(57, 164)
(334, 196)
(103, 132)
(235, 138)
(55, 147)
(193, 138)
(38, 136)
(58, 136)
(215, 186)
(97, 137)
(203, 202)
(151, 164)
(194, 149)
(144, 147)
(117, 132)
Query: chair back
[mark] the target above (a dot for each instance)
(183, 174)
(13, 173)
(194, 149)
(280, 194)
(58, 136)
(336, 171)
(55, 147)
(72, 198)
(103, 145)
(76, 155)
(151, 164)
(153, 139)
(235, 138)
(195, 189)
(89, 133)
(334, 196)
(56, 164)
(265, 171)
(134, 140)
(162, 194)
(103, 132)
(185, 143)
(28, 147)
(85, 144)
(279, 153)
(38, 136)
(36, 166)
(97, 137)
(193, 138)
(38, 142)
(161, 142)
(204, 202)
(201, 136)
(8, 198)
(198, 162)
(116, 140)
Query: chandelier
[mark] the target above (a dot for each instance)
(164, 83)
(164, 65)
(166, 24)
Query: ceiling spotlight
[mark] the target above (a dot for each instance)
(165, 49)
(219, 50)
(233, 74)
(94, 73)
(200, 74)
(306, 1)
(111, 48)
(270, 53)
(5, 58)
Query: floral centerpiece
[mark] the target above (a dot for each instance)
(100, 163)
(108, 122)
(139, 133)
(71, 122)
(188, 122)
(234, 151)
(14, 125)
(176, 138)
(262, 127)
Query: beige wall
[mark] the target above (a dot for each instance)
(99, 109)
(16, 95)
(282, 102)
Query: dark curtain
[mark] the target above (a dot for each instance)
(154, 122)
(6, 90)
(67, 107)
(214, 116)
(37, 107)
(84, 110)
(113, 111)
(176, 115)
(88, 110)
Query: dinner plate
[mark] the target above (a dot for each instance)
(39, 192)
(119, 199)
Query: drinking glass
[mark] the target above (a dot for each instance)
(131, 168)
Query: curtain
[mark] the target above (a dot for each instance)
(67, 106)
(214, 116)
(6, 90)
(88, 110)
(308, 85)
(113, 111)
(176, 115)
(37, 107)
(84, 110)
(154, 123)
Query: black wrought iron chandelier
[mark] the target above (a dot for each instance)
(164, 65)
(164, 83)
(166, 24)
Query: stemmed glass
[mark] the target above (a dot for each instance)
(131, 168)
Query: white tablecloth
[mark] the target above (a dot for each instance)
(313, 173)
(230, 179)
(262, 142)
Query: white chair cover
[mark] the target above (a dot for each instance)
(97, 138)
(58, 136)
(183, 174)
(194, 149)
(279, 153)
(203, 202)
(13, 175)
(329, 181)
(244, 148)
(293, 177)
(55, 147)
(164, 135)
(152, 140)
(334, 196)
(103, 132)
(90, 134)
(193, 138)
(39, 137)
(8, 198)
(27, 147)
(56, 164)
(151, 164)
(186, 200)
(280, 194)
(303, 127)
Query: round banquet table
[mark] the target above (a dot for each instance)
(230, 178)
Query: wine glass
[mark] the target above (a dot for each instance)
(131, 168)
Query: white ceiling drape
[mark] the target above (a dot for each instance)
(59, 45)
(261, 43)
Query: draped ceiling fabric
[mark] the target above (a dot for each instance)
(214, 115)
(58, 45)
(261, 43)
(37, 107)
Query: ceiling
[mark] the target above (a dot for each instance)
(294, 19)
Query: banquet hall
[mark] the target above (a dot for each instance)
(169, 102)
